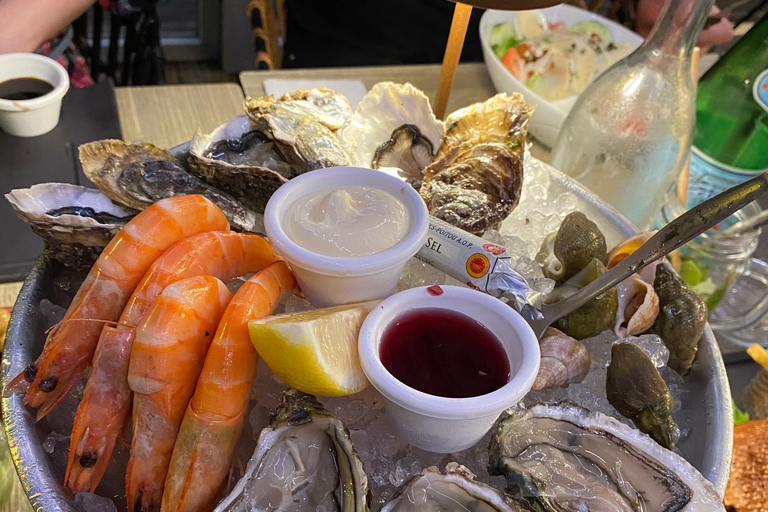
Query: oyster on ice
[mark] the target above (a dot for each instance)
(304, 461)
(393, 126)
(137, 175)
(239, 160)
(475, 181)
(456, 490)
(74, 221)
(303, 126)
(562, 458)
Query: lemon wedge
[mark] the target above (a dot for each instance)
(314, 351)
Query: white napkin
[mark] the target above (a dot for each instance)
(354, 90)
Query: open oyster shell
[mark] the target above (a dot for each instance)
(305, 456)
(393, 126)
(456, 490)
(69, 213)
(475, 181)
(244, 165)
(137, 175)
(302, 124)
(563, 458)
(76, 222)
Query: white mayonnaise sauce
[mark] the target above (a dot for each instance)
(347, 222)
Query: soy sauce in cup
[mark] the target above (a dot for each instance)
(444, 353)
(25, 88)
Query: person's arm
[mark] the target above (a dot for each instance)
(26, 24)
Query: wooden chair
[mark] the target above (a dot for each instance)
(268, 30)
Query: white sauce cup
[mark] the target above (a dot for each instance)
(331, 280)
(30, 118)
(439, 424)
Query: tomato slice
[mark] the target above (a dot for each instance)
(514, 63)
(555, 26)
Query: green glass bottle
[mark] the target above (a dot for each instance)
(732, 105)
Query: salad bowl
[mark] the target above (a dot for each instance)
(550, 114)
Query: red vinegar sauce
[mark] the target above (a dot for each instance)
(444, 353)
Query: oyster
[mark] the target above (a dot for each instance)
(304, 460)
(137, 175)
(75, 222)
(593, 317)
(577, 242)
(302, 125)
(562, 458)
(246, 166)
(564, 360)
(638, 307)
(456, 490)
(635, 388)
(475, 181)
(681, 320)
(393, 126)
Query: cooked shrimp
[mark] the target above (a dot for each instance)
(106, 401)
(214, 418)
(168, 353)
(105, 291)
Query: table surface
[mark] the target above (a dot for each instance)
(167, 115)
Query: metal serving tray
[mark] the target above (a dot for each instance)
(707, 405)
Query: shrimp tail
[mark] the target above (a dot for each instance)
(201, 460)
(103, 411)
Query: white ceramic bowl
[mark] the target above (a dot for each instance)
(549, 116)
(439, 424)
(29, 118)
(329, 280)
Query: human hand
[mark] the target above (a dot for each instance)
(719, 33)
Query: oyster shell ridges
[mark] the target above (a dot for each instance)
(137, 175)
(476, 179)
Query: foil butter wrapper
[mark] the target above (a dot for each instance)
(479, 264)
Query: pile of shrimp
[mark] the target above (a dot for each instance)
(168, 344)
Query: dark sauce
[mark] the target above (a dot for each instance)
(27, 88)
(444, 353)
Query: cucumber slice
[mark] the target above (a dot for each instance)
(503, 37)
(592, 27)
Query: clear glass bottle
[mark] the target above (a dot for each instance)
(628, 136)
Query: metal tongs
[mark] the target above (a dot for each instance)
(672, 236)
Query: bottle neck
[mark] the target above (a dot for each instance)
(678, 26)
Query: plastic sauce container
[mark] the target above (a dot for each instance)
(333, 280)
(435, 423)
(36, 116)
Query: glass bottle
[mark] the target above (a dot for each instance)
(731, 135)
(628, 136)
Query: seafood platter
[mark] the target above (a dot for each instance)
(367, 353)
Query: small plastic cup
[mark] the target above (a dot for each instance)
(36, 116)
(330, 280)
(439, 424)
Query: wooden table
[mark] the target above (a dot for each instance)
(471, 85)
(167, 115)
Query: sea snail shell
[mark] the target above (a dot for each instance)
(564, 360)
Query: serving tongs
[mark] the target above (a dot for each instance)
(672, 236)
